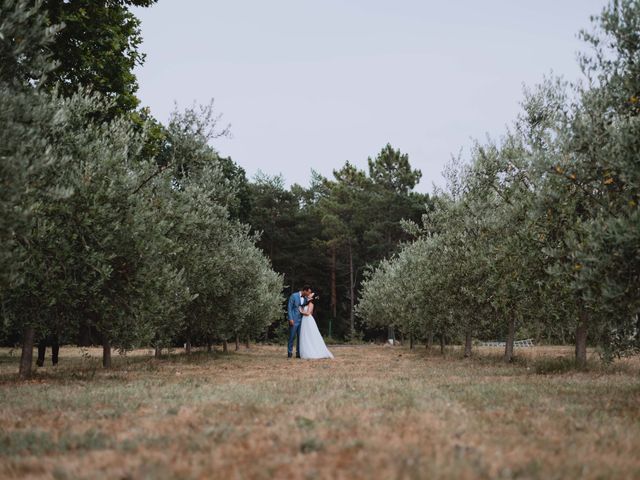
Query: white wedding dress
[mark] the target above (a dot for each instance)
(311, 342)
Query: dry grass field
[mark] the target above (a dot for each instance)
(373, 412)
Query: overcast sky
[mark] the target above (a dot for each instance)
(310, 84)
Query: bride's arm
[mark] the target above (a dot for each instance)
(307, 310)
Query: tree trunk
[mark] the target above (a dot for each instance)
(157, 348)
(581, 339)
(209, 346)
(26, 359)
(84, 334)
(334, 293)
(42, 351)
(351, 293)
(467, 344)
(247, 343)
(225, 346)
(106, 352)
(537, 340)
(237, 343)
(55, 350)
(187, 346)
(508, 349)
(442, 343)
(430, 340)
(411, 341)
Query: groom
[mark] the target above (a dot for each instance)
(296, 300)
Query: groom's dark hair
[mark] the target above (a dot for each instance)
(306, 287)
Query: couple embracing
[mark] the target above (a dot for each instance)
(302, 324)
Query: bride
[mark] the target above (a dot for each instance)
(311, 342)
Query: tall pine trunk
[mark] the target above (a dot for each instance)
(157, 347)
(411, 341)
(84, 334)
(237, 343)
(429, 344)
(467, 344)
(334, 291)
(352, 289)
(511, 335)
(26, 358)
(225, 346)
(581, 338)
(247, 343)
(106, 352)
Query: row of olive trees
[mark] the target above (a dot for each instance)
(541, 230)
(97, 233)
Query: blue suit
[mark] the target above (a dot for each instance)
(293, 311)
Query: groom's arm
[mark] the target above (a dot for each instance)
(291, 309)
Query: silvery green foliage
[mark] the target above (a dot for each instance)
(601, 143)
(543, 227)
(79, 232)
(94, 231)
(477, 266)
(29, 169)
(23, 34)
(77, 222)
(383, 301)
(232, 286)
(256, 301)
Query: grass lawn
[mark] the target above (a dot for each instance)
(372, 412)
